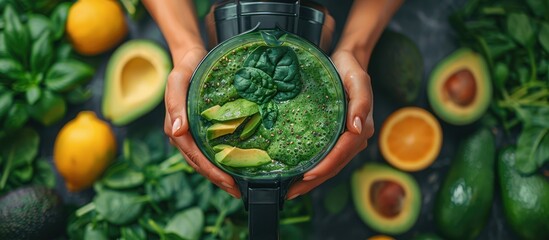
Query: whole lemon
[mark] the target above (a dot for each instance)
(84, 148)
(95, 26)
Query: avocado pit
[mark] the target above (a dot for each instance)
(387, 197)
(461, 87)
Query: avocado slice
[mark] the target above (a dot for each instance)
(397, 67)
(459, 88)
(387, 200)
(231, 110)
(220, 147)
(223, 128)
(32, 212)
(525, 198)
(251, 126)
(134, 81)
(238, 157)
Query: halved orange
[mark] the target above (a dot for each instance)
(410, 139)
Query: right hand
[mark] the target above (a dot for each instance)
(176, 125)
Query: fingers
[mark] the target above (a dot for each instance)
(357, 86)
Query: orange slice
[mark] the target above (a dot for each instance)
(410, 139)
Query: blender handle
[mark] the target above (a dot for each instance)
(263, 212)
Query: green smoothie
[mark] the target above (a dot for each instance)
(284, 112)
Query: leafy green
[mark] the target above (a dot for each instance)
(41, 54)
(519, 27)
(254, 84)
(531, 149)
(59, 19)
(544, 36)
(39, 25)
(118, 207)
(269, 114)
(48, 109)
(336, 198)
(187, 224)
(66, 75)
(16, 35)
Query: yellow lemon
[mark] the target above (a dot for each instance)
(95, 26)
(84, 147)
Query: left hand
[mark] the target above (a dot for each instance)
(360, 124)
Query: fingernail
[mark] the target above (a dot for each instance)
(293, 196)
(309, 178)
(233, 195)
(357, 124)
(226, 185)
(176, 125)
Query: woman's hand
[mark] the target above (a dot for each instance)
(360, 124)
(176, 125)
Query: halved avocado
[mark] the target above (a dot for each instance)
(459, 88)
(223, 128)
(238, 157)
(134, 81)
(387, 200)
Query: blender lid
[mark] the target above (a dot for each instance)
(229, 10)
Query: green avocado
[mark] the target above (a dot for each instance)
(387, 200)
(238, 108)
(464, 200)
(250, 127)
(220, 147)
(396, 67)
(459, 88)
(238, 157)
(223, 128)
(525, 199)
(135, 81)
(33, 212)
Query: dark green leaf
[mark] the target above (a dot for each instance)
(44, 174)
(59, 19)
(16, 35)
(23, 173)
(17, 116)
(66, 75)
(187, 224)
(535, 116)
(222, 201)
(41, 54)
(3, 49)
(133, 232)
(79, 95)
(204, 193)
(165, 187)
(63, 52)
(39, 25)
(542, 154)
(184, 196)
(544, 36)
(49, 108)
(272, 38)
(33, 94)
(254, 85)
(527, 146)
(137, 153)
(501, 73)
(520, 28)
(539, 7)
(22, 146)
(6, 99)
(336, 198)
(155, 141)
(94, 233)
(118, 207)
(122, 176)
(10, 69)
(269, 114)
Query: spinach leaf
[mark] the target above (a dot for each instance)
(118, 207)
(272, 38)
(22, 146)
(282, 65)
(528, 144)
(137, 153)
(542, 154)
(520, 28)
(49, 108)
(204, 192)
(44, 174)
(16, 35)
(223, 202)
(154, 140)
(269, 114)
(122, 176)
(165, 187)
(184, 196)
(133, 232)
(38, 25)
(538, 7)
(254, 85)
(187, 224)
(59, 19)
(93, 232)
(66, 75)
(33, 94)
(41, 54)
(23, 174)
(17, 116)
(6, 99)
(544, 36)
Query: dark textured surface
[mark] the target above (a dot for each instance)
(425, 22)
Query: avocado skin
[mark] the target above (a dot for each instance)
(33, 212)
(397, 67)
(525, 199)
(463, 202)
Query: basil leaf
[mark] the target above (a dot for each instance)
(519, 27)
(254, 85)
(544, 36)
(63, 52)
(3, 49)
(187, 224)
(38, 25)
(118, 207)
(527, 146)
(33, 94)
(10, 69)
(41, 54)
(59, 19)
(17, 117)
(49, 108)
(16, 35)
(269, 114)
(282, 65)
(6, 99)
(66, 75)
(22, 146)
